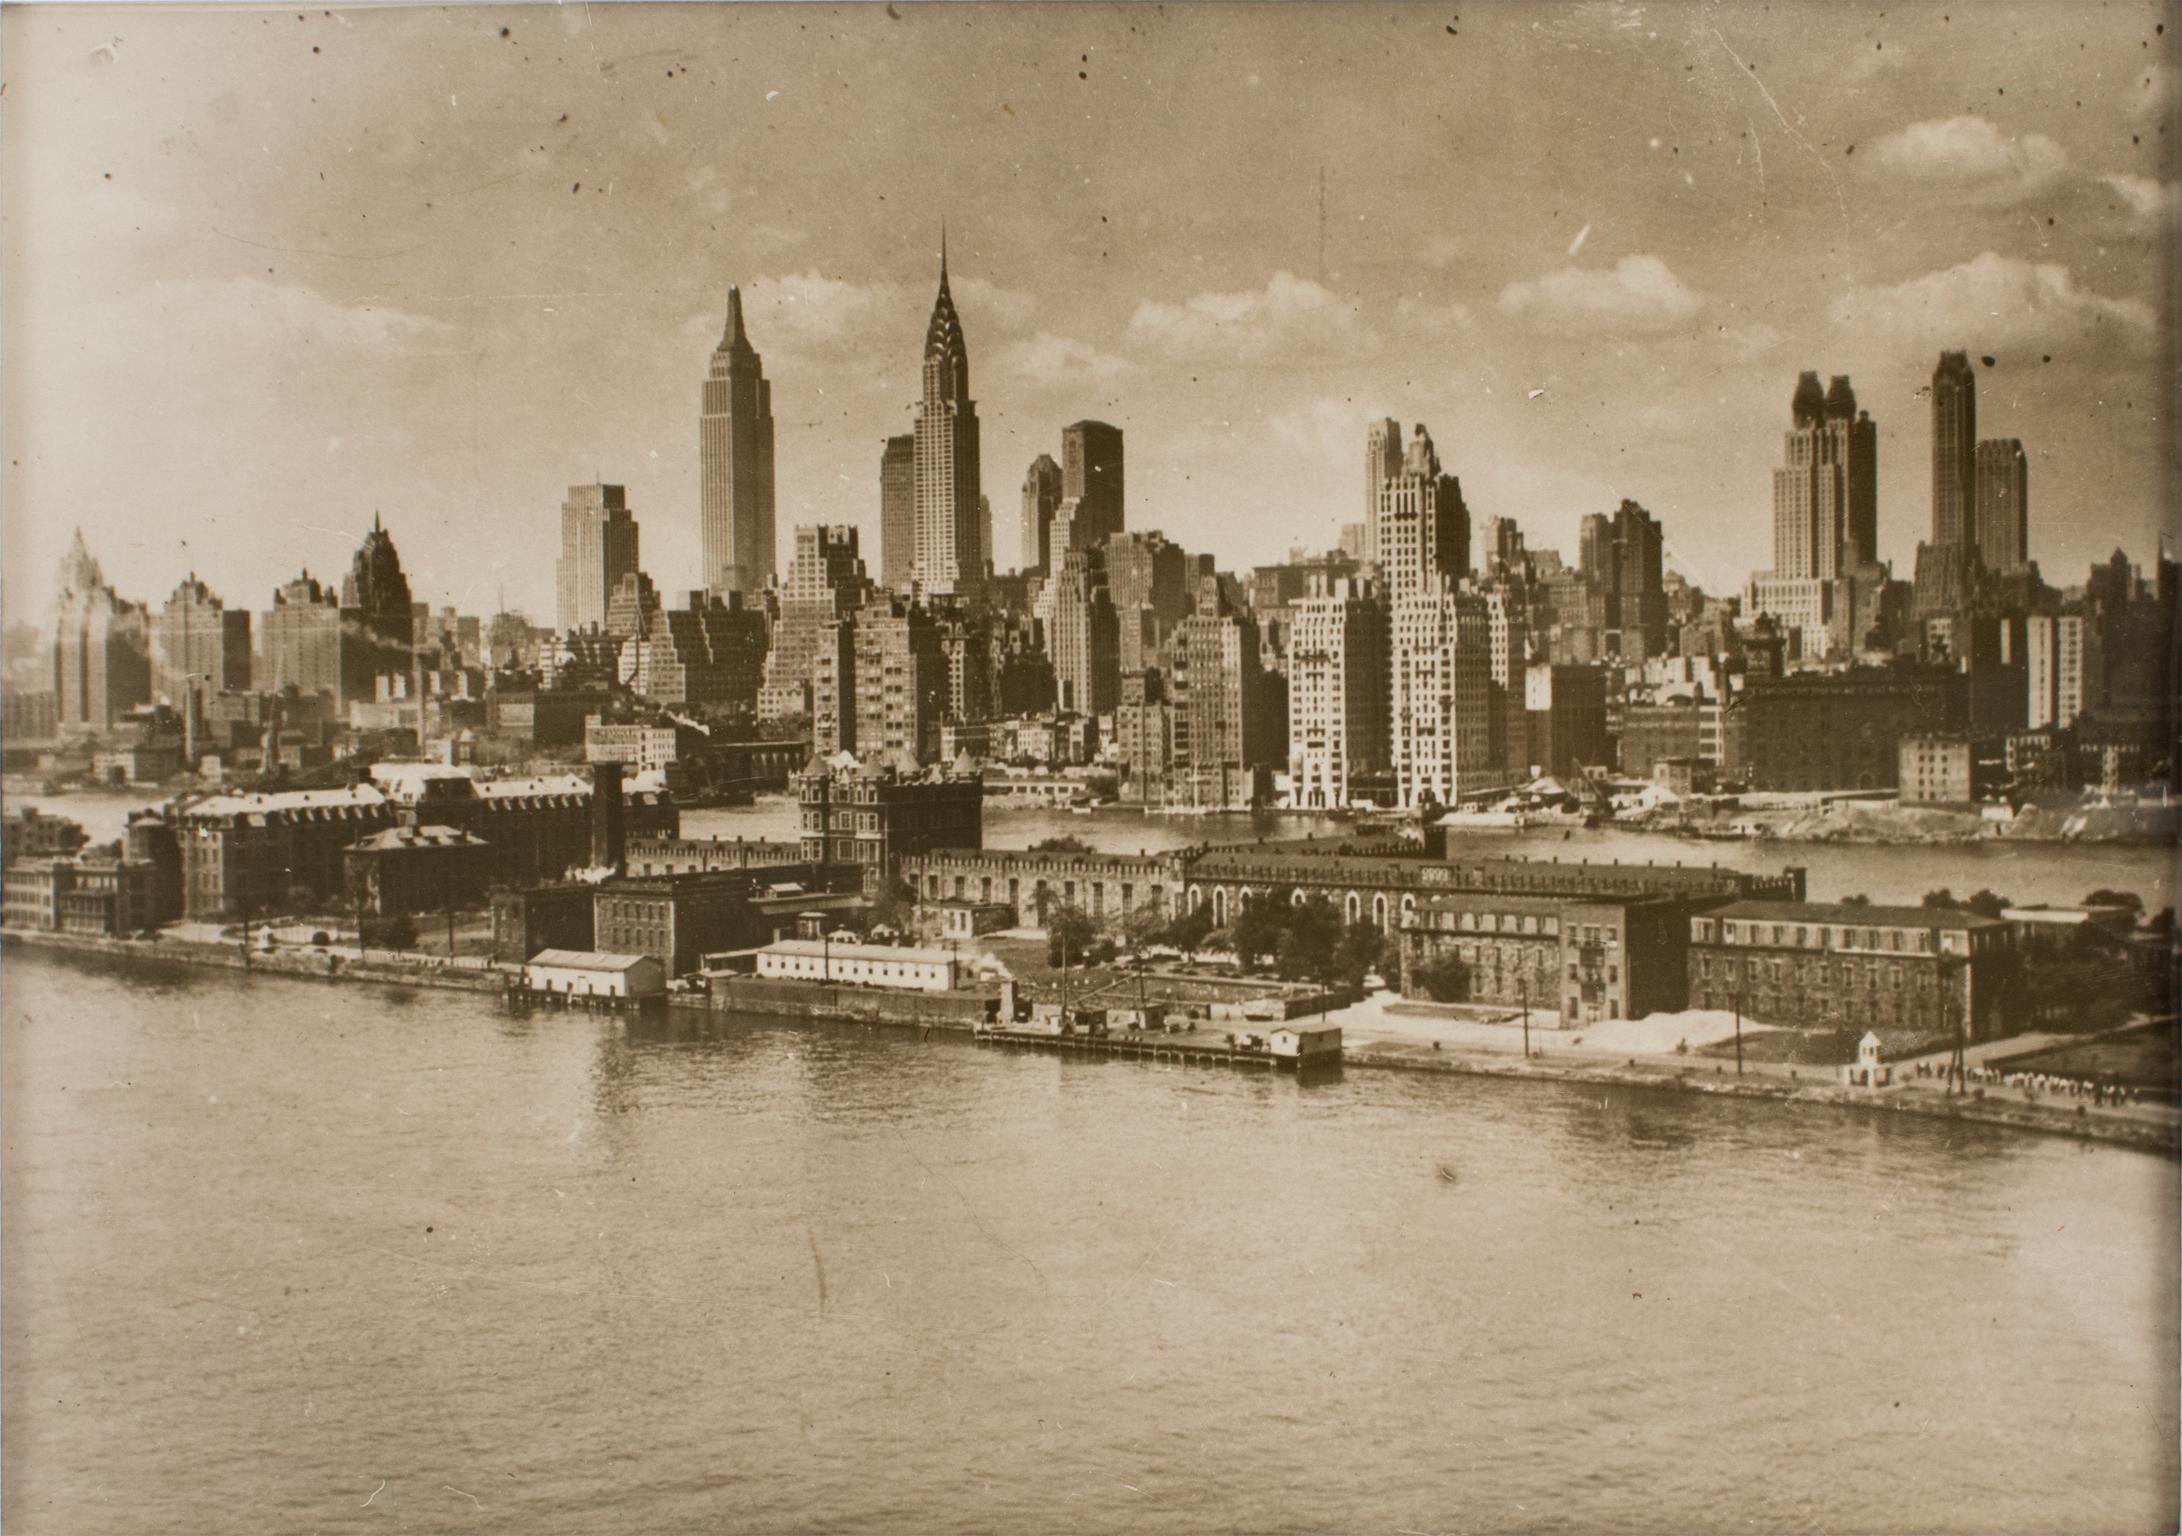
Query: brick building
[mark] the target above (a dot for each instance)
(1816, 965)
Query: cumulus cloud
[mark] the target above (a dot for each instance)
(274, 315)
(1640, 296)
(985, 303)
(1974, 156)
(1049, 359)
(808, 314)
(1290, 318)
(2147, 199)
(1994, 302)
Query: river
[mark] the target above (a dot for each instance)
(285, 1256)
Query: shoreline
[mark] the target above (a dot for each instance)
(1378, 1056)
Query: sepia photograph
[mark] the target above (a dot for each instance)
(1041, 767)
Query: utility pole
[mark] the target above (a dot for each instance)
(1738, 1032)
(1526, 1018)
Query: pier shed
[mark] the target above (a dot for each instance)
(594, 973)
(1304, 1041)
(901, 968)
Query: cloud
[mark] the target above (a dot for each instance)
(1971, 154)
(1993, 302)
(1291, 319)
(986, 304)
(2152, 98)
(275, 316)
(1049, 359)
(807, 315)
(1640, 296)
(2147, 199)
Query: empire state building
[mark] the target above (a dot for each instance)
(735, 446)
(951, 536)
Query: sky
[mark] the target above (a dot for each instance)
(268, 272)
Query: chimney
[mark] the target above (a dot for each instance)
(607, 843)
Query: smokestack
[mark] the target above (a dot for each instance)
(607, 839)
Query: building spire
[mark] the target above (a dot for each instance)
(736, 338)
(943, 250)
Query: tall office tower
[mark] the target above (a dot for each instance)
(1421, 536)
(709, 653)
(2003, 505)
(200, 646)
(882, 694)
(1143, 737)
(632, 607)
(102, 648)
(1337, 688)
(598, 548)
(824, 583)
(1041, 499)
(1382, 462)
(1353, 540)
(1076, 612)
(1826, 494)
(950, 544)
(2062, 663)
(1148, 576)
(1091, 478)
(735, 449)
(1501, 548)
(1954, 452)
(1440, 726)
(307, 645)
(1640, 582)
(898, 513)
(375, 597)
(1219, 754)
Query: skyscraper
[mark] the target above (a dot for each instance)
(598, 548)
(1826, 494)
(950, 541)
(2003, 505)
(1041, 498)
(199, 645)
(735, 447)
(1954, 452)
(375, 601)
(1440, 729)
(823, 584)
(1076, 613)
(1382, 462)
(1091, 478)
(1421, 529)
(1337, 689)
(102, 648)
(898, 512)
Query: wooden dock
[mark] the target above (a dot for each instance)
(1148, 1045)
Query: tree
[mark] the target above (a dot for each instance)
(895, 905)
(1144, 926)
(1988, 903)
(1444, 978)
(1260, 927)
(2162, 921)
(1061, 845)
(2102, 897)
(1857, 900)
(1188, 930)
(1070, 934)
(1362, 950)
(1312, 939)
(1942, 899)
(301, 899)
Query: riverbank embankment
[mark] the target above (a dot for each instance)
(781, 999)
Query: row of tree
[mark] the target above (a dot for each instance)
(1304, 940)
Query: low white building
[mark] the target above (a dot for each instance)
(594, 973)
(863, 965)
(1304, 1041)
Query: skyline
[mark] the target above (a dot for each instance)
(452, 332)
